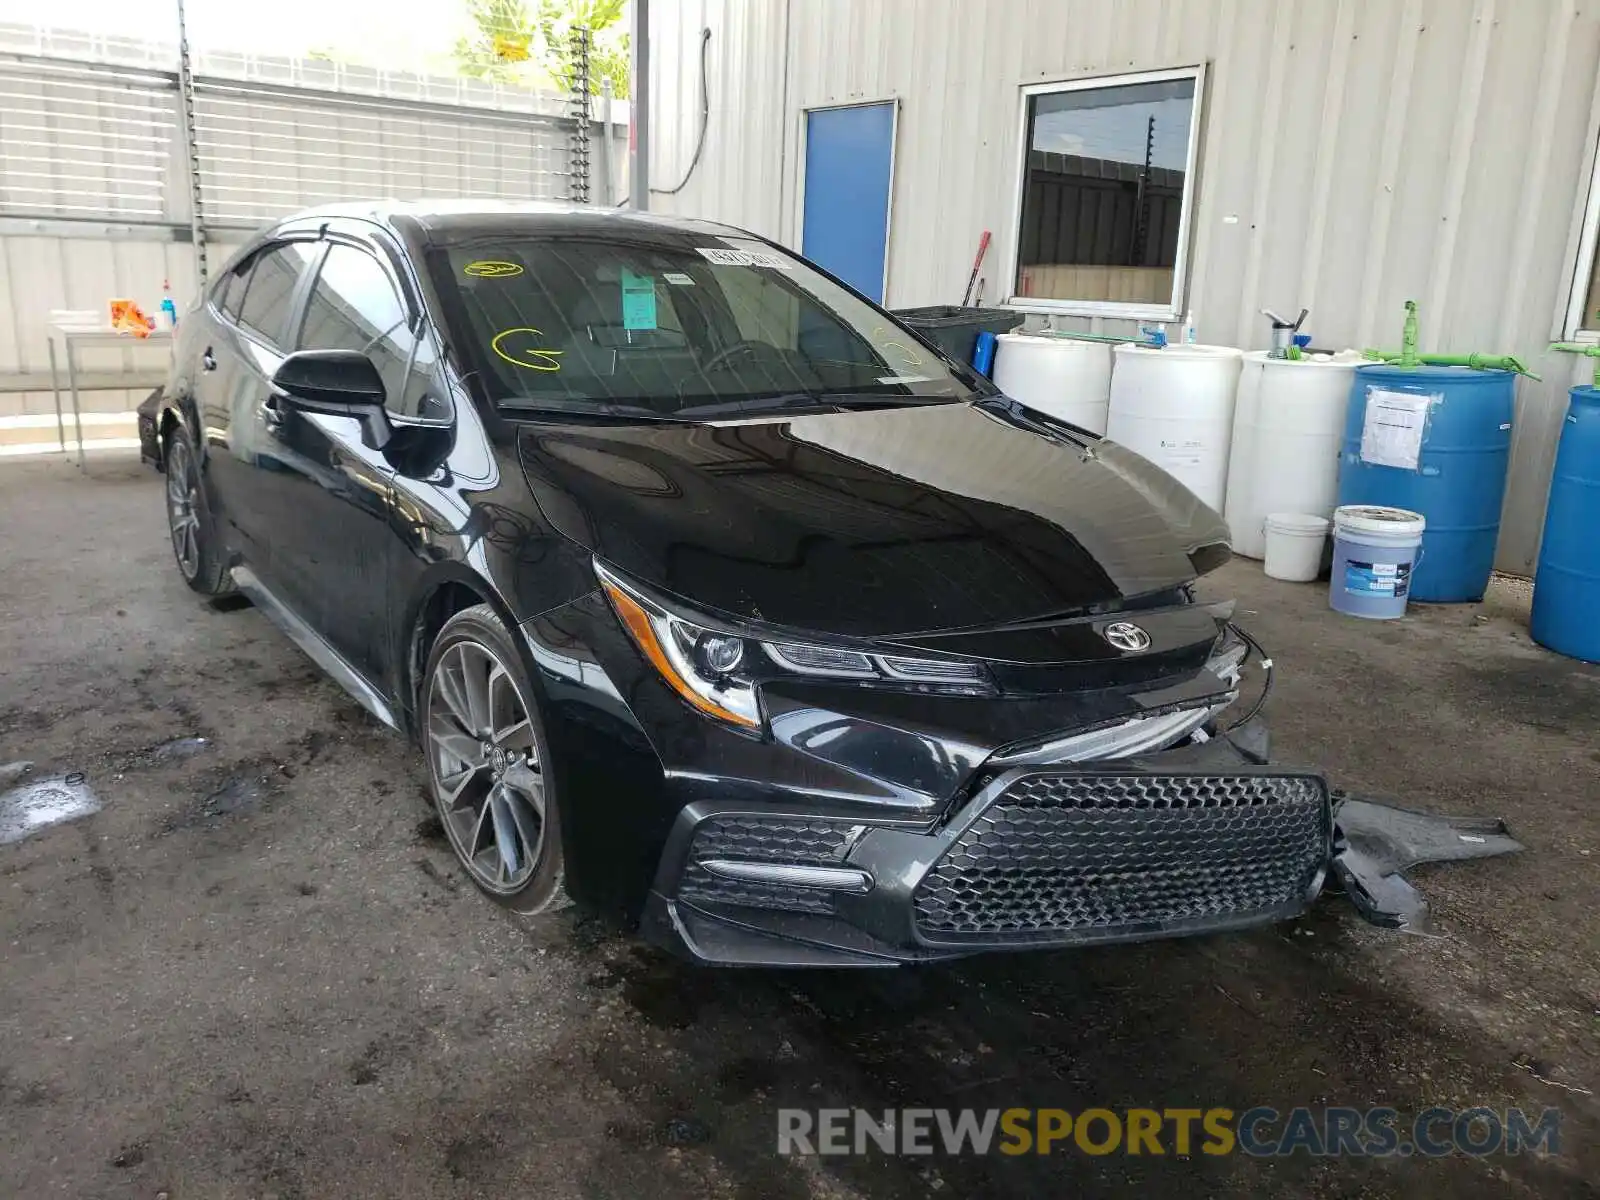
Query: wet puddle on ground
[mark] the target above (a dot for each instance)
(239, 794)
(35, 804)
(179, 749)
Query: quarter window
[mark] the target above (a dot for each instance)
(1107, 180)
(219, 292)
(354, 306)
(230, 293)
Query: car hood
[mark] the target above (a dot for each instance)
(876, 523)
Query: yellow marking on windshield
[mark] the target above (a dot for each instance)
(907, 355)
(485, 268)
(549, 357)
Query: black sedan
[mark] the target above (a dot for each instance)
(714, 594)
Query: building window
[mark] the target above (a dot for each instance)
(1582, 320)
(1106, 192)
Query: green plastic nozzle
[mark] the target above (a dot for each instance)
(1407, 355)
(1578, 348)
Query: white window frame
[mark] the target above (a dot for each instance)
(1180, 271)
(1571, 323)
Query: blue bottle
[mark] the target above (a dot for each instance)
(169, 310)
(983, 353)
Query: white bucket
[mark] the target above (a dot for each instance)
(1374, 550)
(1294, 546)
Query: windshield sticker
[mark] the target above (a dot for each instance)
(486, 268)
(679, 278)
(528, 358)
(638, 300)
(906, 379)
(725, 257)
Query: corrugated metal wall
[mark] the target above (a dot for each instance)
(1356, 154)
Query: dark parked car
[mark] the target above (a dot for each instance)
(715, 595)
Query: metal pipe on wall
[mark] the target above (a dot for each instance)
(608, 191)
(639, 120)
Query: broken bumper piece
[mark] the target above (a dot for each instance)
(1374, 843)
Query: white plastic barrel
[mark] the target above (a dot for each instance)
(1286, 431)
(1175, 407)
(1294, 546)
(1066, 379)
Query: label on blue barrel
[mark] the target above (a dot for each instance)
(1393, 427)
(1377, 579)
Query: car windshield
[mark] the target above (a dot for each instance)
(669, 323)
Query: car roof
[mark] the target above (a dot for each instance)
(446, 220)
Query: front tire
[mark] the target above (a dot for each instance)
(189, 521)
(486, 749)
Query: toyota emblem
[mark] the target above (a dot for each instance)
(1125, 635)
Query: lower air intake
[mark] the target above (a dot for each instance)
(762, 839)
(1058, 854)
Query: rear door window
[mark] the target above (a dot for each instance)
(269, 292)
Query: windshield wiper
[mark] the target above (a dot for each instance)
(596, 408)
(1021, 414)
(838, 401)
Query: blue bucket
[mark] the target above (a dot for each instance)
(1374, 551)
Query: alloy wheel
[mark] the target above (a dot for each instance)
(484, 758)
(183, 515)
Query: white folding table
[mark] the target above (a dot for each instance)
(71, 337)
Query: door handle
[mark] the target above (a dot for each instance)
(208, 361)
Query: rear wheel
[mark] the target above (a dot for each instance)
(485, 744)
(189, 523)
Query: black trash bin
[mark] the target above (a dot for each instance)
(955, 329)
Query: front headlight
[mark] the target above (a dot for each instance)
(688, 656)
(716, 668)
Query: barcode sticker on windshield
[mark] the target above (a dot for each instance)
(726, 257)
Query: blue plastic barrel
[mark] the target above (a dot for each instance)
(1438, 443)
(1566, 587)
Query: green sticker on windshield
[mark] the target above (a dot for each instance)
(638, 300)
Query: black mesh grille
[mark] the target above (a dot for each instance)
(1063, 853)
(763, 839)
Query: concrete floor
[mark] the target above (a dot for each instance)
(257, 971)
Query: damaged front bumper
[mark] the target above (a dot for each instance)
(1198, 839)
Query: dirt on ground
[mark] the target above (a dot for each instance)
(258, 972)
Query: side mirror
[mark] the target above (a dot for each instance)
(341, 383)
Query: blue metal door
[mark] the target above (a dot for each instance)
(849, 152)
